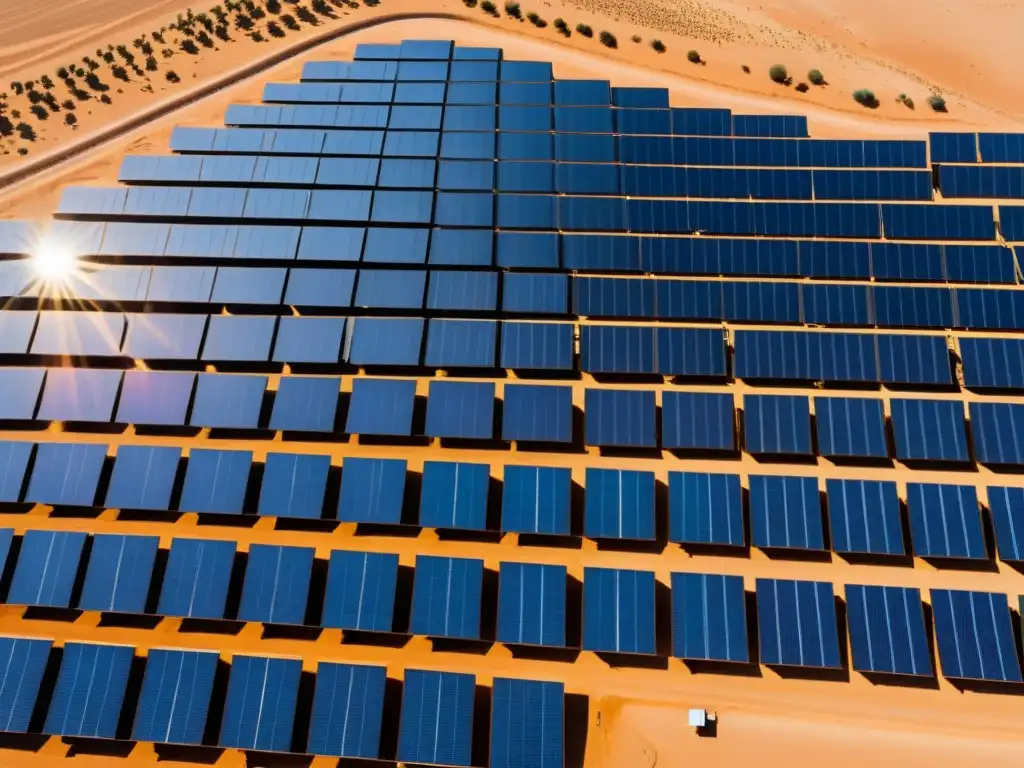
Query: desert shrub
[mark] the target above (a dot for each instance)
(6, 126)
(221, 31)
(257, 36)
(275, 29)
(93, 81)
(16, 114)
(147, 49)
(321, 7)
(608, 40)
(17, 87)
(40, 112)
(816, 77)
(92, 64)
(802, 87)
(512, 9)
(908, 102)
(585, 30)
(658, 46)
(469, 3)
(22, 151)
(778, 73)
(937, 103)
(304, 14)
(79, 72)
(636, 39)
(158, 37)
(259, 13)
(205, 40)
(289, 21)
(62, 73)
(865, 98)
(46, 82)
(108, 57)
(105, 99)
(693, 57)
(68, 104)
(30, 85)
(488, 7)
(274, 6)
(26, 131)
(188, 46)
(119, 72)
(243, 22)
(536, 20)
(34, 97)
(151, 63)
(137, 42)
(562, 26)
(70, 119)
(172, 76)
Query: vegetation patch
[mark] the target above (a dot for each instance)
(562, 26)
(937, 103)
(779, 74)
(693, 57)
(816, 77)
(585, 30)
(608, 40)
(658, 46)
(866, 98)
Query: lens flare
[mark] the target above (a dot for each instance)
(54, 261)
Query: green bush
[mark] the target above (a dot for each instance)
(779, 73)
(488, 7)
(608, 40)
(536, 20)
(658, 46)
(693, 57)
(865, 98)
(62, 73)
(513, 9)
(562, 26)
(816, 77)
(937, 103)
(908, 102)
(585, 30)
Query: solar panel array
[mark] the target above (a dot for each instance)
(436, 288)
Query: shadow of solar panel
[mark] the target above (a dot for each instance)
(537, 412)
(175, 696)
(975, 636)
(195, 584)
(705, 508)
(619, 504)
(360, 593)
(22, 664)
(785, 513)
(463, 291)
(532, 604)
(19, 392)
(66, 474)
(305, 404)
(446, 597)
(294, 485)
(945, 521)
(929, 430)
(864, 517)
(84, 334)
(164, 337)
(536, 500)
(436, 725)
(462, 247)
(887, 630)
(624, 349)
(89, 691)
(620, 418)
(238, 338)
(698, 421)
(994, 427)
(85, 395)
(618, 611)
(372, 490)
(385, 341)
(259, 711)
(120, 569)
(460, 344)
(309, 340)
(1007, 508)
(14, 458)
(228, 401)
(276, 584)
(850, 426)
(381, 407)
(46, 569)
(460, 409)
(709, 621)
(797, 623)
(155, 398)
(215, 481)
(454, 495)
(348, 709)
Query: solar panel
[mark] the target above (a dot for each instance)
(195, 583)
(294, 485)
(975, 635)
(446, 597)
(536, 500)
(785, 513)
(348, 708)
(619, 504)
(79, 394)
(620, 418)
(309, 340)
(239, 338)
(215, 481)
(705, 509)
(385, 341)
(81, 334)
(864, 517)
(120, 569)
(709, 619)
(460, 344)
(527, 724)
(618, 610)
(154, 336)
(66, 474)
(259, 711)
(305, 404)
(22, 664)
(622, 349)
(945, 521)
(175, 697)
(143, 477)
(276, 584)
(155, 398)
(1007, 508)
(227, 401)
(914, 359)
(360, 593)
(537, 346)
(994, 429)
(850, 426)
(14, 458)
(47, 567)
(454, 495)
(887, 630)
(931, 430)
(372, 490)
(90, 690)
(777, 424)
(437, 717)
(531, 604)
(797, 623)
(19, 392)
(381, 407)
(460, 409)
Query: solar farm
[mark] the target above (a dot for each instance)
(433, 350)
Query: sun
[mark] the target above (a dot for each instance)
(54, 261)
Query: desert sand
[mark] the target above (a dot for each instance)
(633, 716)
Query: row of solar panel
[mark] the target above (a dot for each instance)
(906, 221)
(262, 704)
(509, 176)
(971, 147)
(981, 181)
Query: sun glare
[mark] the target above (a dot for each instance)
(54, 261)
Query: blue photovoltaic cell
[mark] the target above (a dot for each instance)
(785, 513)
(460, 343)
(397, 246)
(309, 340)
(995, 363)
(215, 481)
(154, 336)
(390, 289)
(1007, 508)
(305, 404)
(537, 412)
(276, 584)
(536, 500)
(372, 490)
(619, 504)
(462, 247)
(120, 569)
(618, 610)
(709, 619)
(621, 418)
(463, 291)
(454, 495)
(79, 334)
(19, 392)
(887, 631)
(777, 424)
(623, 349)
(360, 592)
(446, 597)
(228, 401)
(914, 359)
(526, 249)
(14, 458)
(155, 398)
(995, 429)
(15, 327)
(797, 623)
(698, 421)
(348, 709)
(66, 474)
(459, 409)
(239, 338)
(945, 521)
(705, 508)
(90, 690)
(537, 346)
(930, 430)
(381, 407)
(437, 718)
(527, 724)
(531, 604)
(864, 517)
(690, 351)
(952, 147)
(294, 485)
(259, 711)
(46, 570)
(850, 426)
(175, 696)
(195, 583)
(22, 664)
(975, 635)
(385, 341)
